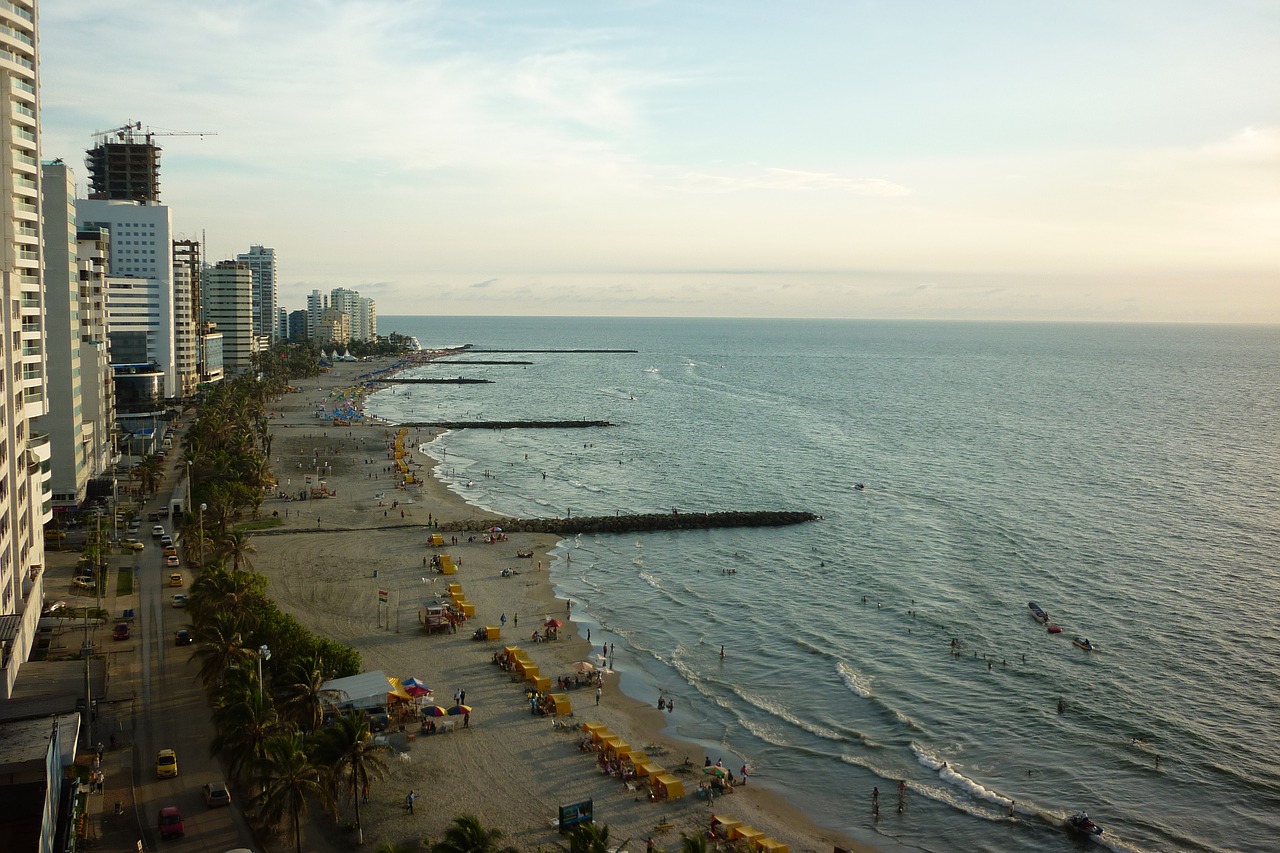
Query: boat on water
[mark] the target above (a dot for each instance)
(1084, 643)
(1037, 613)
(1080, 822)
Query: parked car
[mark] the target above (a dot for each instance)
(121, 631)
(182, 637)
(179, 600)
(216, 794)
(83, 582)
(171, 825)
(132, 544)
(55, 535)
(166, 764)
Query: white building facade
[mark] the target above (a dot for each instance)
(140, 294)
(261, 261)
(25, 489)
(227, 297)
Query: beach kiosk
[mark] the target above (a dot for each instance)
(592, 728)
(745, 833)
(668, 787)
(771, 845)
(561, 702)
(648, 768)
(437, 540)
(446, 565)
(600, 735)
(722, 825)
(542, 684)
(493, 632)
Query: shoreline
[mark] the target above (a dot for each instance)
(511, 769)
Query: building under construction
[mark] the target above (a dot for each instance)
(124, 165)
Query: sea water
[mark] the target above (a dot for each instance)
(1124, 477)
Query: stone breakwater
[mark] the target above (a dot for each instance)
(631, 523)
(505, 424)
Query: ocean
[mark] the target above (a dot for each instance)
(1124, 477)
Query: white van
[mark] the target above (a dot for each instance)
(166, 444)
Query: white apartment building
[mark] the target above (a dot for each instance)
(25, 489)
(261, 261)
(97, 385)
(317, 304)
(71, 437)
(227, 303)
(362, 311)
(141, 317)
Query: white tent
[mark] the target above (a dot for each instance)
(366, 690)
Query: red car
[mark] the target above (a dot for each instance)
(171, 823)
(121, 631)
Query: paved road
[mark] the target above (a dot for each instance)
(171, 712)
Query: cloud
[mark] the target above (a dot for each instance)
(791, 180)
(486, 283)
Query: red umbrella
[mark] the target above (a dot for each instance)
(553, 623)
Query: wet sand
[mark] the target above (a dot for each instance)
(511, 769)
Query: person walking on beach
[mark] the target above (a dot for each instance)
(598, 692)
(515, 620)
(502, 620)
(875, 801)
(408, 801)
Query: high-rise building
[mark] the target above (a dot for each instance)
(262, 261)
(71, 437)
(363, 312)
(187, 268)
(124, 165)
(140, 295)
(227, 303)
(97, 389)
(25, 490)
(317, 304)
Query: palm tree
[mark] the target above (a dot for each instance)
(220, 591)
(221, 647)
(290, 781)
(693, 844)
(246, 721)
(589, 838)
(345, 750)
(466, 835)
(235, 546)
(303, 697)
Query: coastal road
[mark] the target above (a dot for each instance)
(175, 715)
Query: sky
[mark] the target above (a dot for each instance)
(924, 159)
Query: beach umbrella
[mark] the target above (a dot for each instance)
(582, 667)
(495, 529)
(553, 623)
(433, 711)
(714, 770)
(415, 687)
(458, 710)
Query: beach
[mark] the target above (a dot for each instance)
(334, 558)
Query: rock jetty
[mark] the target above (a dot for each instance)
(631, 523)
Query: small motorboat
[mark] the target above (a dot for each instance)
(1080, 822)
(1037, 613)
(1084, 643)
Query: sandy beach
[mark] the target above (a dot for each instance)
(510, 768)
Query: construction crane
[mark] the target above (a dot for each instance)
(130, 133)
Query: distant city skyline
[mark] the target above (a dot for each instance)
(996, 160)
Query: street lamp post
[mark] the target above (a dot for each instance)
(200, 544)
(264, 653)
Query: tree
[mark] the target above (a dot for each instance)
(246, 721)
(344, 748)
(693, 844)
(466, 835)
(235, 546)
(220, 647)
(589, 838)
(290, 781)
(304, 699)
